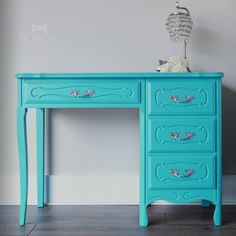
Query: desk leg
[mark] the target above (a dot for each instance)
(218, 204)
(40, 129)
(143, 218)
(23, 161)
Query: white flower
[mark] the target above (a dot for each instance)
(165, 67)
(175, 64)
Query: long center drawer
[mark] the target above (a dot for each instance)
(82, 91)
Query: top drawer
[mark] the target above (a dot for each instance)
(81, 91)
(179, 97)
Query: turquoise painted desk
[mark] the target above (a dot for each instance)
(180, 129)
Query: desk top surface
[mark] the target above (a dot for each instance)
(119, 75)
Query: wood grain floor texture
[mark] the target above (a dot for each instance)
(116, 221)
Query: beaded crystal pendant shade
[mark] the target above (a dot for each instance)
(179, 25)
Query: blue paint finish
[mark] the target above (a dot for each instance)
(180, 195)
(134, 75)
(72, 91)
(143, 218)
(160, 167)
(218, 202)
(180, 128)
(40, 127)
(162, 128)
(206, 204)
(23, 161)
(161, 93)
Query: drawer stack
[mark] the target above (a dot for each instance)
(181, 139)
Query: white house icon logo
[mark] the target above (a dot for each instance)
(39, 28)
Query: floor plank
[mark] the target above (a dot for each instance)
(116, 221)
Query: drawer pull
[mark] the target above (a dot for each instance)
(175, 135)
(188, 98)
(75, 93)
(176, 173)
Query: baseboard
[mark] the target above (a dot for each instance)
(92, 190)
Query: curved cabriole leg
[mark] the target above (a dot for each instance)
(206, 203)
(217, 215)
(143, 218)
(23, 161)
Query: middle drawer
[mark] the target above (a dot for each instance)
(183, 134)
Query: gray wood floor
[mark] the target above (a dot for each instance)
(116, 221)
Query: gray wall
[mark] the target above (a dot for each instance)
(93, 155)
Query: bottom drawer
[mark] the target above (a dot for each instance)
(166, 171)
